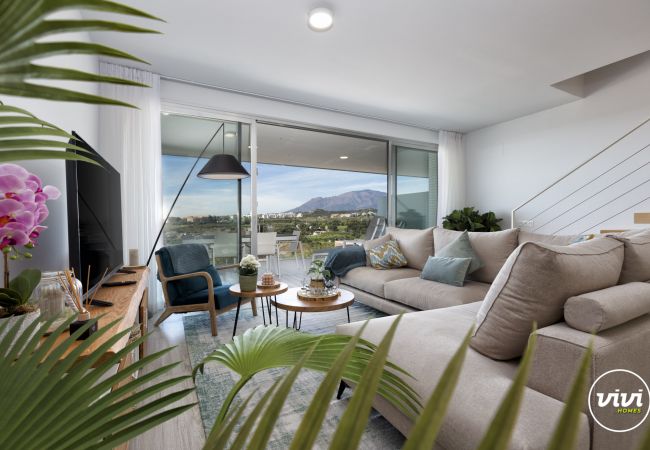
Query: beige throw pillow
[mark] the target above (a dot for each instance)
(416, 245)
(636, 264)
(491, 248)
(533, 286)
(369, 245)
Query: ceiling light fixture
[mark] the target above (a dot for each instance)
(343, 157)
(165, 113)
(230, 134)
(321, 19)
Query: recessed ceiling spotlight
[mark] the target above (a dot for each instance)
(343, 157)
(321, 19)
(230, 134)
(165, 113)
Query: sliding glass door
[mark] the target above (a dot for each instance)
(416, 187)
(207, 212)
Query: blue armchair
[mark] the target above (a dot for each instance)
(191, 283)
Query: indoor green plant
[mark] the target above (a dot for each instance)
(255, 429)
(14, 299)
(318, 274)
(471, 219)
(52, 399)
(23, 25)
(248, 268)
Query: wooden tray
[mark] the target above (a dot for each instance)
(269, 286)
(311, 298)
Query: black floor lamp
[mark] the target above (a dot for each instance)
(219, 167)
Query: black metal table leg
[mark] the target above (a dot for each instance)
(277, 321)
(263, 313)
(299, 321)
(342, 387)
(348, 310)
(268, 304)
(294, 320)
(287, 311)
(234, 330)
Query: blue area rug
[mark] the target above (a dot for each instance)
(213, 386)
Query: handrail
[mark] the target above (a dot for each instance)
(513, 212)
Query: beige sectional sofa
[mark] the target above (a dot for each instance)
(426, 340)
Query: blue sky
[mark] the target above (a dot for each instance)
(280, 188)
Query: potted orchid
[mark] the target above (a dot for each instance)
(248, 267)
(22, 211)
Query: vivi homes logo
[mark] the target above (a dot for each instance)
(618, 400)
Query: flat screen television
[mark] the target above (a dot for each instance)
(94, 216)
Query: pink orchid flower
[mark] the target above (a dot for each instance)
(22, 207)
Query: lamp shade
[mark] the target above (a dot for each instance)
(223, 167)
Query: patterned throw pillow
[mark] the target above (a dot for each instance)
(387, 256)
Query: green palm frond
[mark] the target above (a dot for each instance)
(52, 398)
(424, 432)
(23, 25)
(263, 348)
(502, 426)
(568, 425)
(23, 136)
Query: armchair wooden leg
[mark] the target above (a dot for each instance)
(165, 314)
(213, 321)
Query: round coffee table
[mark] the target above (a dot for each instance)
(262, 294)
(290, 302)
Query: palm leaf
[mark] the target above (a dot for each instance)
(56, 401)
(267, 422)
(566, 431)
(263, 348)
(424, 432)
(500, 430)
(23, 25)
(352, 423)
(220, 435)
(313, 419)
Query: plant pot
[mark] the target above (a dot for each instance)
(11, 321)
(248, 283)
(317, 284)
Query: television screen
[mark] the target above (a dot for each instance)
(94, 216)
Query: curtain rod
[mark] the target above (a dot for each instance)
(294, 102)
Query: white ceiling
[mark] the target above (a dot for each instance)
(440, 64)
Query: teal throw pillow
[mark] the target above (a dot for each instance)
(461, 247)
(387, 256)
(446, 270)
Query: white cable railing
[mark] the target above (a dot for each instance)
(611, 182)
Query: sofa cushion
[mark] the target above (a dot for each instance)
(636, 264)
(526, 236)
(446, 270)
(423, 294)
(533, 286)
(372, 280)
(492, 248)
(417, 245)
(372, 243)
(423, 345)
(600, 310)
(387, 256)
(461, 247)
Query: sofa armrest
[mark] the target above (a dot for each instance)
(560, 349)
(557, 357)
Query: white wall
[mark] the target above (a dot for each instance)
(230, 102)
(52, 250)
(509, 162)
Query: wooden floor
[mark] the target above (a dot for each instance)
(185, 432)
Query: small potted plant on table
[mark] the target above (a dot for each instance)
(318, 275)
(14, 300)
(248, 268)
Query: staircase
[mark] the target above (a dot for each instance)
(602, 193)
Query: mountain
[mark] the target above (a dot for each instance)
(348, 201)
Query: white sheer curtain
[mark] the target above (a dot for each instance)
(451, 173)
(130, 140)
